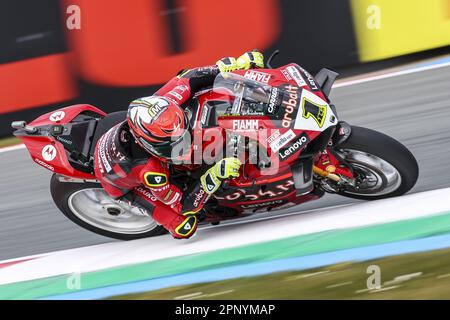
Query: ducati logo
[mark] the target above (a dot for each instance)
(187, 226)
(158, 179)
(57, 116)
(49, 152)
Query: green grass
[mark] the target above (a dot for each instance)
(9, 141)
(342, 281)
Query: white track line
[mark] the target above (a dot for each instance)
(257, 216)
(346, 83)
(116, 254)
(12, 148)
(204, 227)
(31, 257)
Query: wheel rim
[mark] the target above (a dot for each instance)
(374, 175)
(95, 207)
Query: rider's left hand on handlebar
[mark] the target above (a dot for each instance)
(227, 64)
(224, 169)
(249, 60)
(253, 59)
(228, 168)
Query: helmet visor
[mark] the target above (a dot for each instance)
(170, 149)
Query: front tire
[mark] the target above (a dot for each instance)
(88, 205)
(388, 166)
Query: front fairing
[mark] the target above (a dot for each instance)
(287, 106)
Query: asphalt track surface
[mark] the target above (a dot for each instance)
(412, 108)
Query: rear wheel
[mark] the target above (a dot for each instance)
(90, 207)
(382, 166)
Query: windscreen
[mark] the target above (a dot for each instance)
(246, 92)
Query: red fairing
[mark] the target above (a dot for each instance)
(65, 115)
(50, 153)
(256, 190)
(282, 75)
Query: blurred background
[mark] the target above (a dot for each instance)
(106, 53)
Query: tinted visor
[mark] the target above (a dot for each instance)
(170, 149)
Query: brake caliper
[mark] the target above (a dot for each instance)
(328, 166)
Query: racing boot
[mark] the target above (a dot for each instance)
(180, 226)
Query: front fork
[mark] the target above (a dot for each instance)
(328, 164)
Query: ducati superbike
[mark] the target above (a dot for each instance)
(281, 120)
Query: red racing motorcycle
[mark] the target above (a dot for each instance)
(280, 121)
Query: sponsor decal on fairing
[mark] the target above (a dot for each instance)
(64, 140)
(273, 101)
(314, 113)
(310, 78)
(282, 140)
(49, 152)
(262, 204)
(273, 136)
(45, 165)
(245, 124)
(257, 76)
(289, 105)
(286, 74)
(57, 116)
(299, 143)
(295, 74)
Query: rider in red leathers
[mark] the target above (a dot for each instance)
(132, 159)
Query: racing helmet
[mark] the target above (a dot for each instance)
(160, 126)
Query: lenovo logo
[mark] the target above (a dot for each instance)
(299, 143)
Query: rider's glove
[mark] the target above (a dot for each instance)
(227, 64)
(253, 59)
(224, 169)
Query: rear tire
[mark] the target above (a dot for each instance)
(388, 149)
(64, 192)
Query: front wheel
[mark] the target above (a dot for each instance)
(382, 166)
(90, 207)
